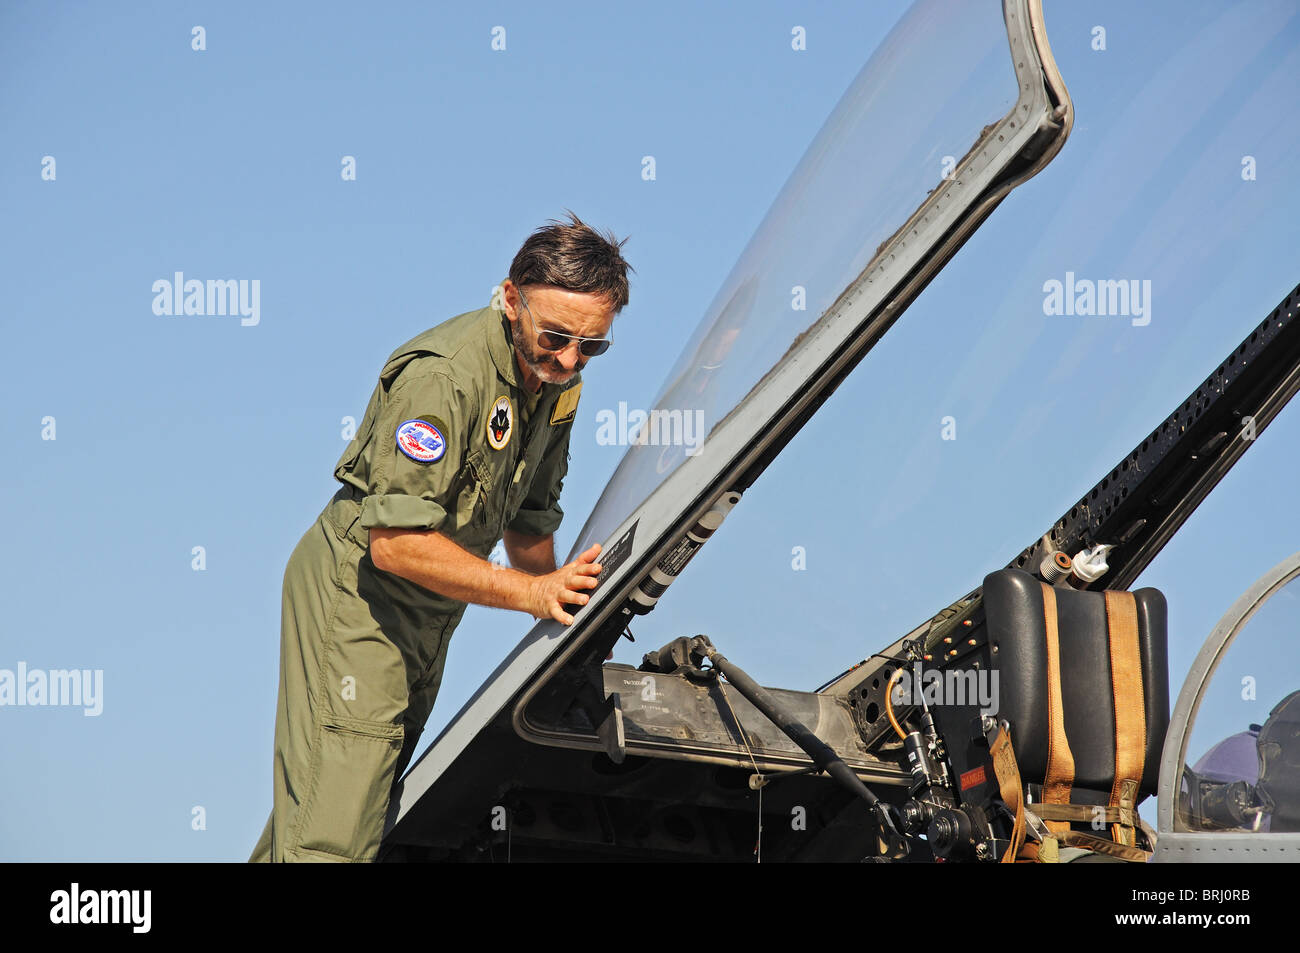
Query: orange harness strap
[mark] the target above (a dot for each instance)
(1007, 772)
(1130, 710)
(1060, 762)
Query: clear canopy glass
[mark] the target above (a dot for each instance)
(899, 129)
(1093, 301)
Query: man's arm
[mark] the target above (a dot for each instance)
(433, 561)
(532, 554)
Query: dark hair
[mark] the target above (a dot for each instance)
(574, 257)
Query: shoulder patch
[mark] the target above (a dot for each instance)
(566, 405)
(421, 441)
(500, 423)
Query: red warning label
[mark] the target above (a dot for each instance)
(973, 777)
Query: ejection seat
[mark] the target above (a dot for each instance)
(1071, 664)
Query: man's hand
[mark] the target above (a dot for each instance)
(551, 592)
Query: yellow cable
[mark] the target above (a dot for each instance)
(889, 702)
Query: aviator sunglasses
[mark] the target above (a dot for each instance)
(558, 341)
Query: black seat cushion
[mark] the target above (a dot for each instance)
(1013, 604)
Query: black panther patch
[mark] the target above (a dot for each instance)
(500, 423)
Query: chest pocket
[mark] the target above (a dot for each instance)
(473, 505)
(497, 481)
(491, 495)
(525, 467)
(520, 478)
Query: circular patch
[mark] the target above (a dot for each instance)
(500, 423)
(421, 441)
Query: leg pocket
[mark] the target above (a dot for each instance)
(344, 812)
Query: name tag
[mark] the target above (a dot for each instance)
(566, 405)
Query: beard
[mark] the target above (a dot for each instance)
(542, 363)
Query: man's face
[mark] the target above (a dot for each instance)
(554, 309)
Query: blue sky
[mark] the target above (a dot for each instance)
(180, 431)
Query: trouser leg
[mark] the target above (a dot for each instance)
(359, 672)
(423, 693)
(343, 693)
(417, 713)
(305, 608)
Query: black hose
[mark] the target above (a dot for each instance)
(822, 754)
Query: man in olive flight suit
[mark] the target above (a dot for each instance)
(464, 442)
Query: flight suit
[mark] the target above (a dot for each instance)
(450, 441)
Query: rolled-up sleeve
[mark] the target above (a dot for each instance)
(418, 452)
(540, 514)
